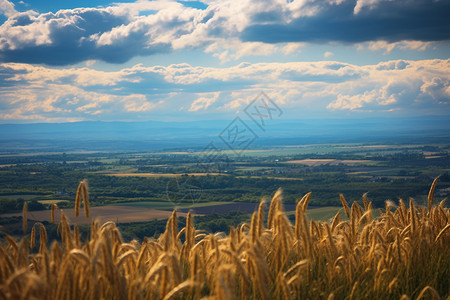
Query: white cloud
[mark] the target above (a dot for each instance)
(291, 48)
(67, 102)
(171, 21)
(137, 103)
(180, 89)
(7, 8)
(353, 102)
(229, 30)
(233, 49)
(360, 4)
(400, 84)
(90, 62)
(205, 101)
(328, 54)
(389, 46)
(79, 76)
(438, 88)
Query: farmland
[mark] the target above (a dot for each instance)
(331, 162)
(249, 219)
(118, 214)
(185, 179)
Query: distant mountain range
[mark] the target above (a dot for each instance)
(153, 135)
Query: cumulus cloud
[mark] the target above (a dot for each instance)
(28, 94)
(7, 8)
(228, 29)
(399, 85)
(114, 34)
(203, 102)
(137, 103)
(18, 72)
(438, 88)
(234, 49)
(388, 47)
(353, 102)
(361, 4)
(38, 92)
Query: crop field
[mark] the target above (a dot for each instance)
(402, 253)
(323, 214)
(272, 177)
(333, 162)
(53, 201)
(169, 205)
(23, 196)
(158, 174)
(331, 149)
(150, 210)
(115, 213)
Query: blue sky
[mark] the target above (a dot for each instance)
(64, 61)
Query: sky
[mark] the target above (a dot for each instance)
(67, 61)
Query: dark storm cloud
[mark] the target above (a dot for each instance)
(390, 21)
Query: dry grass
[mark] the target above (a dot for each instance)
(402, 254)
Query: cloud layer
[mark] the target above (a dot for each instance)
(227, 29)
(33, 46)
(343, 21)
(38, 93)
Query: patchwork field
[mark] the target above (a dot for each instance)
(151, 210)
(324, 161)
(53, 201)
(158, 174)
(116, 213)
(271, 177)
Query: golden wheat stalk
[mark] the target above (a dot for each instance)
(176, 292)
(42, 239)
(78, 200)
(52, 215)
(299, 215)
(85, 193)
(260, 225)
(33, 237)
(254, 227)
(365, 201)
(274, 204)
(82, 192)
(433, 293)
(305, 201)
(345, 205)
(431, 194)
(25, 217)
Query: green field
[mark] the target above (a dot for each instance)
(384, 171)
(55, 201)
(19, 196)
(169, 205)
(323, 214)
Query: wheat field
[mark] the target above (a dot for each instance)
(401, 254)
